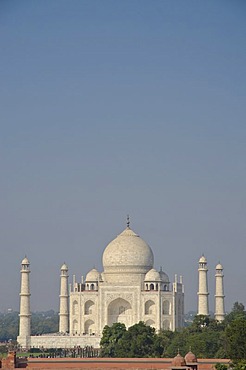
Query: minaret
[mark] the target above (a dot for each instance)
(219, 313)
(63, 321)
(25, 314)
(203, 287)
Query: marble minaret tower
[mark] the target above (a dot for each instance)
(63, 321)
(25, 314)
(203, 288)
(219, 312)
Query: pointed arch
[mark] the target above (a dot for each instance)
(149, 307)
(89, 307)
(89, 327)
(166, 325)
(150, 323)
(120, 310)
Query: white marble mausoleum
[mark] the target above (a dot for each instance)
(128, 290)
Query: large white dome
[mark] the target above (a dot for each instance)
(127, 253)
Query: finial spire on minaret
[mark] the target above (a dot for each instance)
(128, 221)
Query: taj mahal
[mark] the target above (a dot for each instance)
(128, 290)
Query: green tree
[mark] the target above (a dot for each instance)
(110, 339)
(41, 322)
(162, 341)
(239, 365)
(235, 334)
(204, 336)
(202, 322)
(179, 342)
(44, 322)
(238, 311)
(9, 323)
(205, 344)
(220, 366)
(199, 322)
(139, 340)
(238, 307)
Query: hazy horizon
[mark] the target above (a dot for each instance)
(122, 107)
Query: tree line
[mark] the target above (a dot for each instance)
(41, 323)
(205, 336)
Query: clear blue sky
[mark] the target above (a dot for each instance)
(114, 107)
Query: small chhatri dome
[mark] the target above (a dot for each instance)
(202, 259)
(190, 357)
(25, 261)
(92, 276)
(219, 267)
(152, 275)
(178, 361)
(64, 267)
(127, 253)
(164, 276)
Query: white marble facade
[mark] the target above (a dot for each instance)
(128, 290)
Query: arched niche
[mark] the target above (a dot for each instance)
(166, 307)
(150, 323)
(89, 306)
(75, 327)
(75, 307)
(149, 307)
(89, 327)
(166, 325)
(120, 310)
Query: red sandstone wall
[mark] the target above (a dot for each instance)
(100, 363)
(113, 364)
